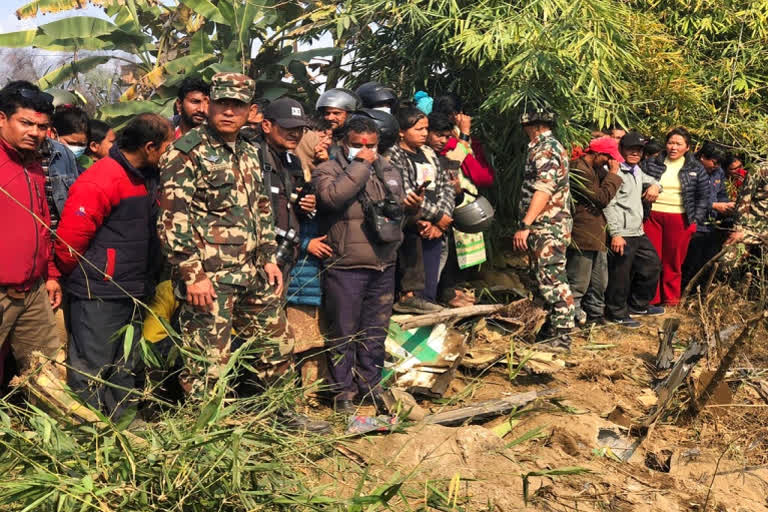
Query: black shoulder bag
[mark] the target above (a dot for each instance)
(383, 219)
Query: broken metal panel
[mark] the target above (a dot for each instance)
(425, 358)
(487, 409)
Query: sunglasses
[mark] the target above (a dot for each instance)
(31, 94)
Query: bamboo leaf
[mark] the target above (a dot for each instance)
(68, 71)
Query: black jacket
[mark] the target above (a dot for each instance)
(694, 183)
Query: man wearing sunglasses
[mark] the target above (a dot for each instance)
(29, 289)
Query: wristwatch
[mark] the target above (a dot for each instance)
(464, 136)
(523, 226)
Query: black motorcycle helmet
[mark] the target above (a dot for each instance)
(373, 95)
(389, 129)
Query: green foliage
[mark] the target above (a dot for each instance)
(171, 40)
(596, 62)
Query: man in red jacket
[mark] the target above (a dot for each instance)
(29, 290)
(104, 246)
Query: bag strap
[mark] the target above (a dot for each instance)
(378, 170)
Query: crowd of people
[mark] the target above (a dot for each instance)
(243, 221)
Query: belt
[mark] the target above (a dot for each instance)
(21, 291)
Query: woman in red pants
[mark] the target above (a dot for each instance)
(671, 218)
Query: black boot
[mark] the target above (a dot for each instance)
(555, 338)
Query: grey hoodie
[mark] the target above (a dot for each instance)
(624, 214)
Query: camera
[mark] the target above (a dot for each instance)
(289, 240)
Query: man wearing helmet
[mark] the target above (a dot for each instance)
(378, 97)
(546, 222)
(334, 105)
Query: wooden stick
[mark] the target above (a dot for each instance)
(701, 271)
(449, 314)
(725, 363)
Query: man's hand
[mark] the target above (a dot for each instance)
(308, 203)
(464, 122)
(413, 201)
(652, 193)
(318, 248)
(617, 245)
(428, 230)
(613, 166)
(735, 237)
(274, 277)
(456, 183)
(321, 151)
(724, 208)
(54, 292)
(444, 223)
(368, 155)
(520, 241)
(201, 294)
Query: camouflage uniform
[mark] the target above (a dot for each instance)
(751, 215)
(216, 222)
(546, 169)
(752, 209)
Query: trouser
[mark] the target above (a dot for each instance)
(632, 277)
(431, 251)
(702, 248)
(208, 336)
(98, 339)
(309, 349)
(449, 275)
(27, 324)
(359, 304)
(547, 253)
(587, 277)
(410, 263)
(670, 235)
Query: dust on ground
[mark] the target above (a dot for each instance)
(714, 460)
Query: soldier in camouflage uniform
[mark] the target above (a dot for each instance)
(545, 228)
(217, 230)
(751, 227)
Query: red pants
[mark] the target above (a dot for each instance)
(670, 234)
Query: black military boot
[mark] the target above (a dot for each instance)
(555, 339)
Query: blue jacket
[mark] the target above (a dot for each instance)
(63, 170)
(718, 194)
(694, 182)
(305, 286)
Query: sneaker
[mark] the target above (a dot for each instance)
(628, 322)
(649, 311)
(416, 305)
(292, 420)
(581, 318)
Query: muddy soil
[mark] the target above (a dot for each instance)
(714, 460)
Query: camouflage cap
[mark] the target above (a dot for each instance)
(234, 86)
(537, 115)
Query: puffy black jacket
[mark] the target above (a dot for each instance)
(109, 218)
(694, 184)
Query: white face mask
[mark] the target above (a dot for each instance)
(76, 150)
(352, 152)
(384, 109)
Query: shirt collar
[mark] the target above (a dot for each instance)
(624, 166)
(543, 135)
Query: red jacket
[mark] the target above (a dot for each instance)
(26, 253)
(476, 168)
(108, 218)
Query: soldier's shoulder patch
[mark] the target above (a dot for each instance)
(189, 141)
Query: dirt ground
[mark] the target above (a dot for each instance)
(714, 460)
